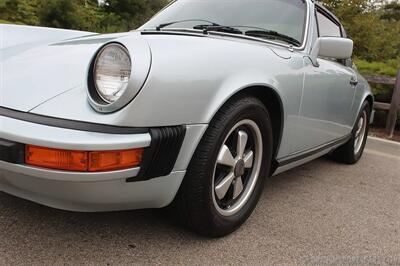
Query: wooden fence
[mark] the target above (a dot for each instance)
(392, 108)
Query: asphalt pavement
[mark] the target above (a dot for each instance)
(322, 213)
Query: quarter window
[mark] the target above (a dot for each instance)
(327, 28)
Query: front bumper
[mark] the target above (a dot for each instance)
(117, 190)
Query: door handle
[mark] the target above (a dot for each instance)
(354, 81)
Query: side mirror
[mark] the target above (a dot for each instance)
(332, 47)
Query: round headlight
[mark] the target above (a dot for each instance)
(112, 71)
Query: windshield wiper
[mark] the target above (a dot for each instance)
(257, 32)
(269, 34)
(159, 27)
(220, 28)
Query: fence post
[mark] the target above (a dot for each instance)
(394, 106)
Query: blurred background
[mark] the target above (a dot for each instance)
(374, 25)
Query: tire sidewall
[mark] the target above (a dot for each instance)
(258, 114)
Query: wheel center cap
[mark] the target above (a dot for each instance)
(239, 168)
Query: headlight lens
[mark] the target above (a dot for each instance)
(112, 71)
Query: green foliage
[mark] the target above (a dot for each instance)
(59, 13)
(19, 11)
(133, 13)
(388, 68)
(391, 12)
(70, 14)
(5, 22)
(111, 16)
(383, 93)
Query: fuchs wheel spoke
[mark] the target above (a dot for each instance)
(237, 187)
(360, 133)
(222, 188)
(225, 157)
(360, 123)
(248, 159)
(360, 127)
(241, 143)
(356, 143)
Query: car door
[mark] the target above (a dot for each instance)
(328, 95)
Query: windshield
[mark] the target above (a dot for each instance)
(286, 17)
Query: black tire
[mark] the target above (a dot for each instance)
(194, 203)
(347, 152)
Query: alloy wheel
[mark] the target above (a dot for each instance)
(237, 167)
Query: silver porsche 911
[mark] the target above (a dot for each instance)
(193, 110)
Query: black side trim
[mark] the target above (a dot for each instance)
(159, 159)
(12, 152)
(308, 153)
(70, 124)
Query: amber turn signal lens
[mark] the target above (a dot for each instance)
(56, 159)
(82, 161)
(114, 160)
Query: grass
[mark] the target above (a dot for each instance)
(383, 93)
(388, 68)
(4, 22)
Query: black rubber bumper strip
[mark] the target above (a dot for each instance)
(159, 159)
(12, 152)
(70, 124)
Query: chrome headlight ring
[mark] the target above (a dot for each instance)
(111, 72)
(114, 78)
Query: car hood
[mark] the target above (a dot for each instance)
(37, 64)
(49, 77)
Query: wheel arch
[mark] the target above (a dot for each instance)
(273, 102)
(370, 100)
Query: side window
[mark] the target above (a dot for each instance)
(327, 28)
